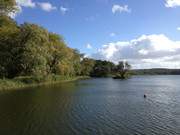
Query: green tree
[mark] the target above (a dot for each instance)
(102, 68)
(57, 52)
(87, 66)
(7, 21)
(123, 69)
(33, 46)
(77, 62)
(9, 37)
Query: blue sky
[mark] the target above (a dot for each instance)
(96, 26)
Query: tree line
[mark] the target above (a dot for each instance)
(30, 50)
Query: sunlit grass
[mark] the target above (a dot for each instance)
(28, 81)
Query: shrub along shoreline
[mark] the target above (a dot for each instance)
(32, 81)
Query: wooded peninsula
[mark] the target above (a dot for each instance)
(30, 54)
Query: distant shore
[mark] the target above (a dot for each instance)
(32, 81)
(156, 71)
(23, 82)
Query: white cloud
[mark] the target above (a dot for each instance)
(46, 6)
(63, 10)
(26, 3)
(20, 4)
(120, 9)
(172, 3)
(143, 52)
(147, 51)
(14, 14)
(112, 34)
(178, 28)
(89, 46)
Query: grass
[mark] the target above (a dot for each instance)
(30, 81)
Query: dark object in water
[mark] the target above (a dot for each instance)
(119, 77)
(145, 96)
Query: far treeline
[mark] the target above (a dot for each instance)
(30, 50)
(156, 71)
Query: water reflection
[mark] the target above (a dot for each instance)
(95, 106)
(42, 110)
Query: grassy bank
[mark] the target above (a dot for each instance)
(30, 81)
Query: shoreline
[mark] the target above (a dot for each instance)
(11, 84)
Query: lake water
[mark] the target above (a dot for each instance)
(95, 106)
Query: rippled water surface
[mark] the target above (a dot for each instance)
(95, 106)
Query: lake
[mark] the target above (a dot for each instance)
(94, 107)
